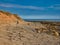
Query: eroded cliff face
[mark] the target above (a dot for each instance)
(15, 31)
(6, 17)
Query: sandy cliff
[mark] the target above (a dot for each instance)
(15, 31)
(6, 17)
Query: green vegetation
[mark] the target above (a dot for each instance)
(7, 13)
(17, 16)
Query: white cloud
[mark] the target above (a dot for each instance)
(41, 17)
(55, 6)
(21, 6)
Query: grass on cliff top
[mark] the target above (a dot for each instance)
(8, 14)
(4, 12)
(19, 18)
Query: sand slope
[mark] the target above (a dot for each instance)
(23, 33)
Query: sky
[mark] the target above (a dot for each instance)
(32, 9)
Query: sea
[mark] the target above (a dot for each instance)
(50, 20)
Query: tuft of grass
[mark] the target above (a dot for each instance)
(17, 16)
(7, 13)
(1, 11)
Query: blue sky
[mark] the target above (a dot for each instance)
(32, 9)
